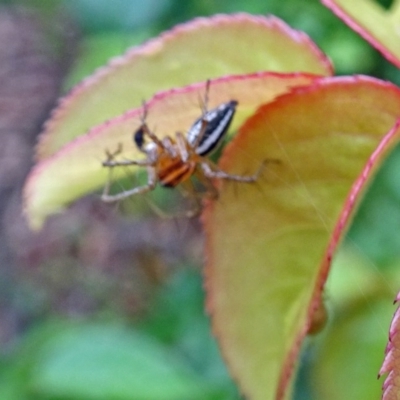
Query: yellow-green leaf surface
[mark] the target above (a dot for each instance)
(269, 245)
(76, 169)
(378, 26)
(196, 51)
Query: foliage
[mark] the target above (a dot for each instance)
(293, 292)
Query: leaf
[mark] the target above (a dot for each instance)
(269, 246)
(390, 366)
(202, 49)
(76, 169)
(350, 351)
(110, 362)
(375, 24)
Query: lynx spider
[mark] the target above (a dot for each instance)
(172, 161)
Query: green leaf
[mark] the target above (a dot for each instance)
(375, 24)
(110, 362)
(269, 245)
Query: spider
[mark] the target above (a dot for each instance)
(173, 161)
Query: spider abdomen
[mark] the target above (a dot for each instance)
(206, 138)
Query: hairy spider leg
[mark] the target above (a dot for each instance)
(143, 130)
(188, 191)
(211, 173)
(111, 163)
(152, 180)
(204, 122)
(204, 175)
(111, 155)
(204, 103)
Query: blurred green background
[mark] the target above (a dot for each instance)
(98, 307)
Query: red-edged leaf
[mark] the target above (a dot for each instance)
(269, 246)
(375, 24)
(391, 364)
(202, 49)
(76, 169)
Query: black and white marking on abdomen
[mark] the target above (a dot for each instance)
(218, 121)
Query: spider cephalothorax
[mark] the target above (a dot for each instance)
(171, 161)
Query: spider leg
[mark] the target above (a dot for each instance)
(151, 183)
(204, 103)
(193, 211)
(210, 190)
(187, 189)
(111, 162)
(203, 128)
(119, 163)
(219, 174)
(204, 122)
(145, 130)
(182, 147)
(111, 155)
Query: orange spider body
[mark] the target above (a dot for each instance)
(172, 170)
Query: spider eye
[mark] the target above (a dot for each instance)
(212, 127)
(138, 137)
